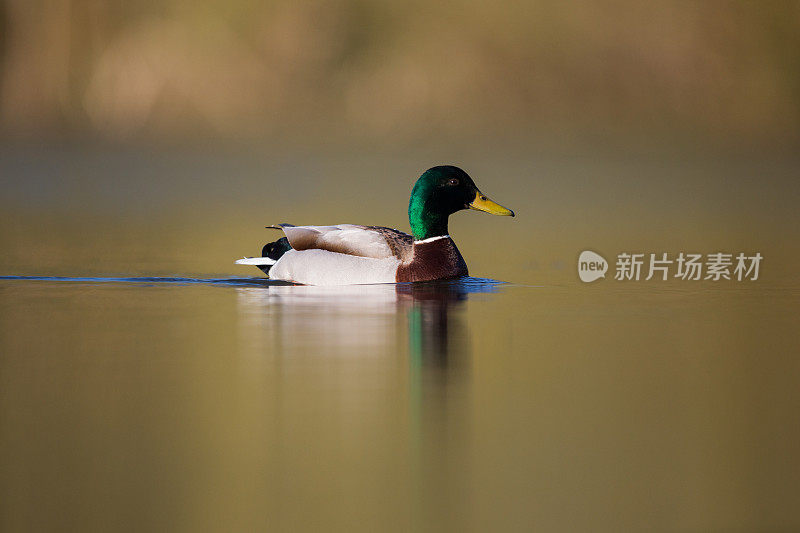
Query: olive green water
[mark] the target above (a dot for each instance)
(204, 404)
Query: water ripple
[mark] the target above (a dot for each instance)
(464, 285)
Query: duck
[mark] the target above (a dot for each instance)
(350, 254)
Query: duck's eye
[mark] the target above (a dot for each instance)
(452, 181)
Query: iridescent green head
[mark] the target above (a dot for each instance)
(440, 192)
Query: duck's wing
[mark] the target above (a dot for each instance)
(402, 244)
(350, 239)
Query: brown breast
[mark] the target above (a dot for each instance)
(438, 259)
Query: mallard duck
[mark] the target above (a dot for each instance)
(349, 254)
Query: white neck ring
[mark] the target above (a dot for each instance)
(431, 239)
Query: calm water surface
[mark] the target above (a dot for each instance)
(172, 399)
(465, 405)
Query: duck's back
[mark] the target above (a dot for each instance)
(345, 254)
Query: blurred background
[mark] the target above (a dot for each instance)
(174, 70)
(155, 137)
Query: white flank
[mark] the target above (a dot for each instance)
(257, 261)
(321, 267)
(431, 239)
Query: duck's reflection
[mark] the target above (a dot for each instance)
(361, 320)
(436, 336)
(338, 349)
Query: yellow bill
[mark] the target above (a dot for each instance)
(482, 203)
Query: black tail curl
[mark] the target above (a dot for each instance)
(274, 250)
